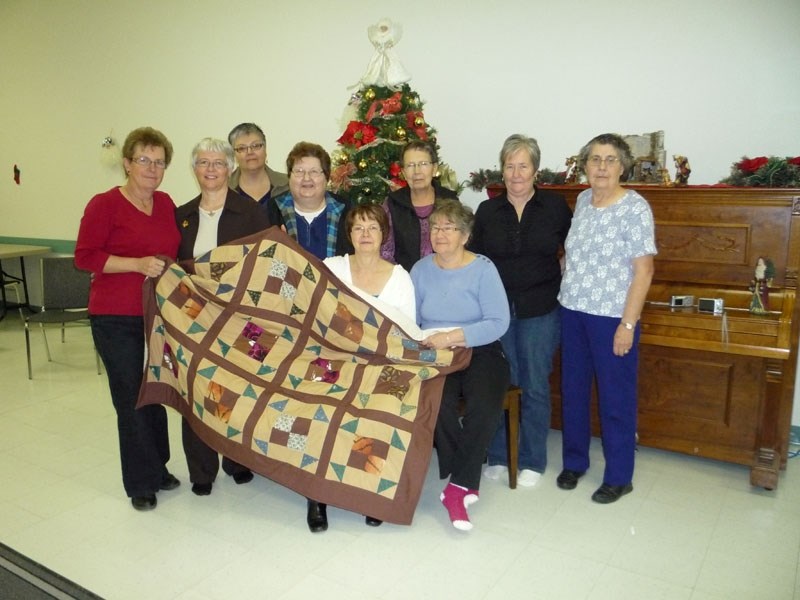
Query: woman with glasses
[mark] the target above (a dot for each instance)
(386, 286)
(609, 252)
(318, 221)
(378, 281)
(217, 216)
(122, 234)
(523, 231)
(308, 212)
(254, 178)
(409, 207)
(460, 297)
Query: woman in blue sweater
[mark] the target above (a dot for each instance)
(461, 302)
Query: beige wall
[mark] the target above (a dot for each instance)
(719, 76)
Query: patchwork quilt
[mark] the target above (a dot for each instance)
(276, 364)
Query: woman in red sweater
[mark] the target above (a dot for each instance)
(122, 234)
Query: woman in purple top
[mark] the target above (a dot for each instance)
(461, 298)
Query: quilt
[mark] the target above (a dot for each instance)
(276, 364)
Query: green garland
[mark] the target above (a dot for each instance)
(765, 172)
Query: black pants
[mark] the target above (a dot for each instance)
(472, 402)
(203, 462)
(143, 437)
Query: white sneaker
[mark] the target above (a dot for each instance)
(495, 472)
(527, 478)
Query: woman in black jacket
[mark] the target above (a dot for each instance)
(217, 216)
(409, 207)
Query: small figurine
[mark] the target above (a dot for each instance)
(665, 178)
(682, 169)
(573, 173)
(764, 274)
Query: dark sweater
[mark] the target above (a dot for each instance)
(525, 250)
(240, 217)
(406, 224)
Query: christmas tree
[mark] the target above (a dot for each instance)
(382, 116)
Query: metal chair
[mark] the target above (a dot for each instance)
(65, 298)
(13, 286)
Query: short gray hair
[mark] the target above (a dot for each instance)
(608, 139)
(518, 142)
(214, 145)
(246, 129)
(454, 211)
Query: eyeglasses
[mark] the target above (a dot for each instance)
(145, 162)
(423, 164)
(371, 229)
(204, 163)
(596, 161)
(448, 229)
(254, 147)
(312, 173)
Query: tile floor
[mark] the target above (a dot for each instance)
(692, 528)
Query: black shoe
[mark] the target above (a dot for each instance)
(243, 477)
(144, 502)
(317, 517)
(202, 489)
(606, 494)
(372, 521)
(567, 480)
(169, 482)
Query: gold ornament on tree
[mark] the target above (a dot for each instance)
(369, 94)
(419, 122)
(401, 133)
(362, 164)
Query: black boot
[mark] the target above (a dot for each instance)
(317, 518)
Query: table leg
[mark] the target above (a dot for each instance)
(24, 283)
(3, 309)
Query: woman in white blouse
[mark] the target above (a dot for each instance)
(386, 286)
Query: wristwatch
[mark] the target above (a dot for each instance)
(627, 325)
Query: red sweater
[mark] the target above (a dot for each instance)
(113, 226)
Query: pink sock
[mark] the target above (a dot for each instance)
(453, 500)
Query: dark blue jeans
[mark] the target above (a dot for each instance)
(143, 437)
(529, 345)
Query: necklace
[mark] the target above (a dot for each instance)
(143, 205)
(211, 212)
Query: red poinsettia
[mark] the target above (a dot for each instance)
(358, 134)
(751, 165)
(394, 173)
(794, 161)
